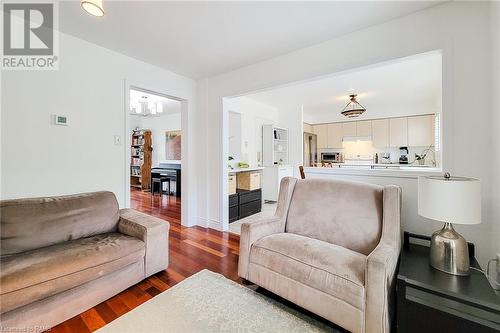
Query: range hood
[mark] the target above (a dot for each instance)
(356, 138)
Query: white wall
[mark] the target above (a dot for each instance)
(158, 127)
(40, 159)
(495, 35)
(253, 116)
(460, 29)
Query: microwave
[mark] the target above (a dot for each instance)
(331, 157)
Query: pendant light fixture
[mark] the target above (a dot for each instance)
(353, 108)
(93, 7)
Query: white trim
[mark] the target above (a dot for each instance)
(214, 224)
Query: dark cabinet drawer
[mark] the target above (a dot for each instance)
(250, 208)
(233, 200)
(233, 214)
(248, 196)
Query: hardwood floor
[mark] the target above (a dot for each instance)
(191, 250)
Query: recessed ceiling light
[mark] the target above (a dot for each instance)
(93, 7)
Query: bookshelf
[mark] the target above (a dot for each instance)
(140, 159)
(275, 145)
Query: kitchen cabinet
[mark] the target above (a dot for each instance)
(364, 128)
(334, 132)
(307, 128)
(380, 133)
(398, 132)
(421, 131)
(322, 135)
(349, 129)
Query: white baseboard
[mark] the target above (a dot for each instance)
(214, 224)
(202, 222)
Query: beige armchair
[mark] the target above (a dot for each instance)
(332, 248)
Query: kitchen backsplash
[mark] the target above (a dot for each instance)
(366, 148)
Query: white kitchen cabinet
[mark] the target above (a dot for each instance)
(271, 178)
(380, 133)
(398, 132)
(421, 131)
(349, 129)
(334, 132)
(364, 128)
(321, 132)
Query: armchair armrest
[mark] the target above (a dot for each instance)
(253, 231)
(151, 230)
(381, 266)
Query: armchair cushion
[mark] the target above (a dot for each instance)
(347, 214)
(329, 268)
(37, 274)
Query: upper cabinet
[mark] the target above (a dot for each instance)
(415, 131)
(421, 131)
(335, 134)
(364, 128)
(322, 135)
(349, 129)
(398, 132)
(380, 133)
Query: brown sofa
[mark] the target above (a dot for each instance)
(62, 255)
(332, 248)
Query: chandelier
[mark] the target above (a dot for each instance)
(353, 108)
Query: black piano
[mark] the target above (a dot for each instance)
(173, 171)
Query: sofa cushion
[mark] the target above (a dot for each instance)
(329, 268)
(37, 274)
(28, 224)
(344, 213)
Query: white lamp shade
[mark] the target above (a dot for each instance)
(453, 200)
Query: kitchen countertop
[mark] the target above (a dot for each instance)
(377, 170)
(244, 169)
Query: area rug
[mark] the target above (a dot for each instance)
(208, 302)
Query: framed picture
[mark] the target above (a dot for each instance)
(173, 145)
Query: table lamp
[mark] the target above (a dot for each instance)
(449, 200)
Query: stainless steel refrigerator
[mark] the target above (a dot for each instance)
(310, 150)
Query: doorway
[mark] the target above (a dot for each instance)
(154, 149)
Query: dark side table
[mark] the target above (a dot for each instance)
(429, 300)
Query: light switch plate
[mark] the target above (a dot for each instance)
(118, 140)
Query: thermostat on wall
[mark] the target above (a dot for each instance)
(60, 120)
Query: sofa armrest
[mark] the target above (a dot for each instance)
(253, 231)
(381, 266)
(151, 230)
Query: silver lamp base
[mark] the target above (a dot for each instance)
(449, 251)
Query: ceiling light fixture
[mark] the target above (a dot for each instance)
(353, 108)
(93, 7)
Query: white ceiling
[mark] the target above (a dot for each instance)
(408, 86)
(202, 39)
